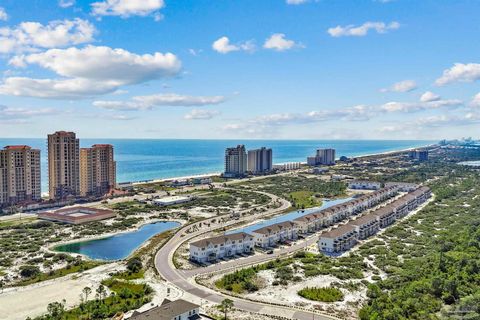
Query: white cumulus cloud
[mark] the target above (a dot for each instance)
(402, 86)
(420, 106)
(476, 101)
(88, 71)
(278, 42)
(201, 114)
(362, 30)
(460, 72)
(429, 96)
(28, 36)
(66, 3)
(223, 45)
(159, 100)
(128, 8)
(296, 2)
(3, 14)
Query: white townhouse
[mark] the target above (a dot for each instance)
(385, 215)
(402, 186)
(364, 185)
(212, 249)
(365, 226)
(422, 194)
(305, 224)
(270, 236)
(338, 240)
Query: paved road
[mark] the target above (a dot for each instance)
(184, 279)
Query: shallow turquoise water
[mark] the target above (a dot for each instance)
(118, 246)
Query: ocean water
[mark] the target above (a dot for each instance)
(146, 159)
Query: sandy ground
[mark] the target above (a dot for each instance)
(35, 298)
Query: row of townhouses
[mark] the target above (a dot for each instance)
(346, 236)
(212, 249)
(224, 246)
(326, 217)
(270, 236)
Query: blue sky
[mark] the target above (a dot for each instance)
(283, 69)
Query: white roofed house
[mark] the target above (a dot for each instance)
(338, 240)
(212, 249)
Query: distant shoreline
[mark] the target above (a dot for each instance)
(207, 175)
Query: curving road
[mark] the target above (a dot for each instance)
(185, 279)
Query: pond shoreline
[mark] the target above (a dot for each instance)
(137, 227)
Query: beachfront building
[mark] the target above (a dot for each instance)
(63, 165)
(212, 249)
(418, 154)
(270, 236)
(338, 240)
(97, 170)
(260, 161)
(77, 215)
(19, 175)
(172, 200)
(322, 157)
(170, 310)
(235, 162)
(364, 185)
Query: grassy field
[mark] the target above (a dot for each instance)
(304, 199)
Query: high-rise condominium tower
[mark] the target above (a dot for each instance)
(260, 160)
(63, 165)
(97, 170)
(19, 175)
(235, 161)
(323, 157)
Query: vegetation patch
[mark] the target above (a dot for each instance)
(328, 294)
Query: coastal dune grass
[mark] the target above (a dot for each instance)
(328, 294)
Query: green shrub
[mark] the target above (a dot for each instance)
(328, 294)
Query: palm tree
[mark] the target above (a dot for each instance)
(86, 291)
(225, 306)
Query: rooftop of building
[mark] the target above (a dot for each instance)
(220, 239)
(17, 147)
(167, 310)
(275, 227)
(338, 232)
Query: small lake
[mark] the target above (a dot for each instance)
(119, 246)
(289, 216)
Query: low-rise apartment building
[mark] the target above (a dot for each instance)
(270, 236)
(338, 240)
(212, 249)
(364, 185)
(365, 226)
